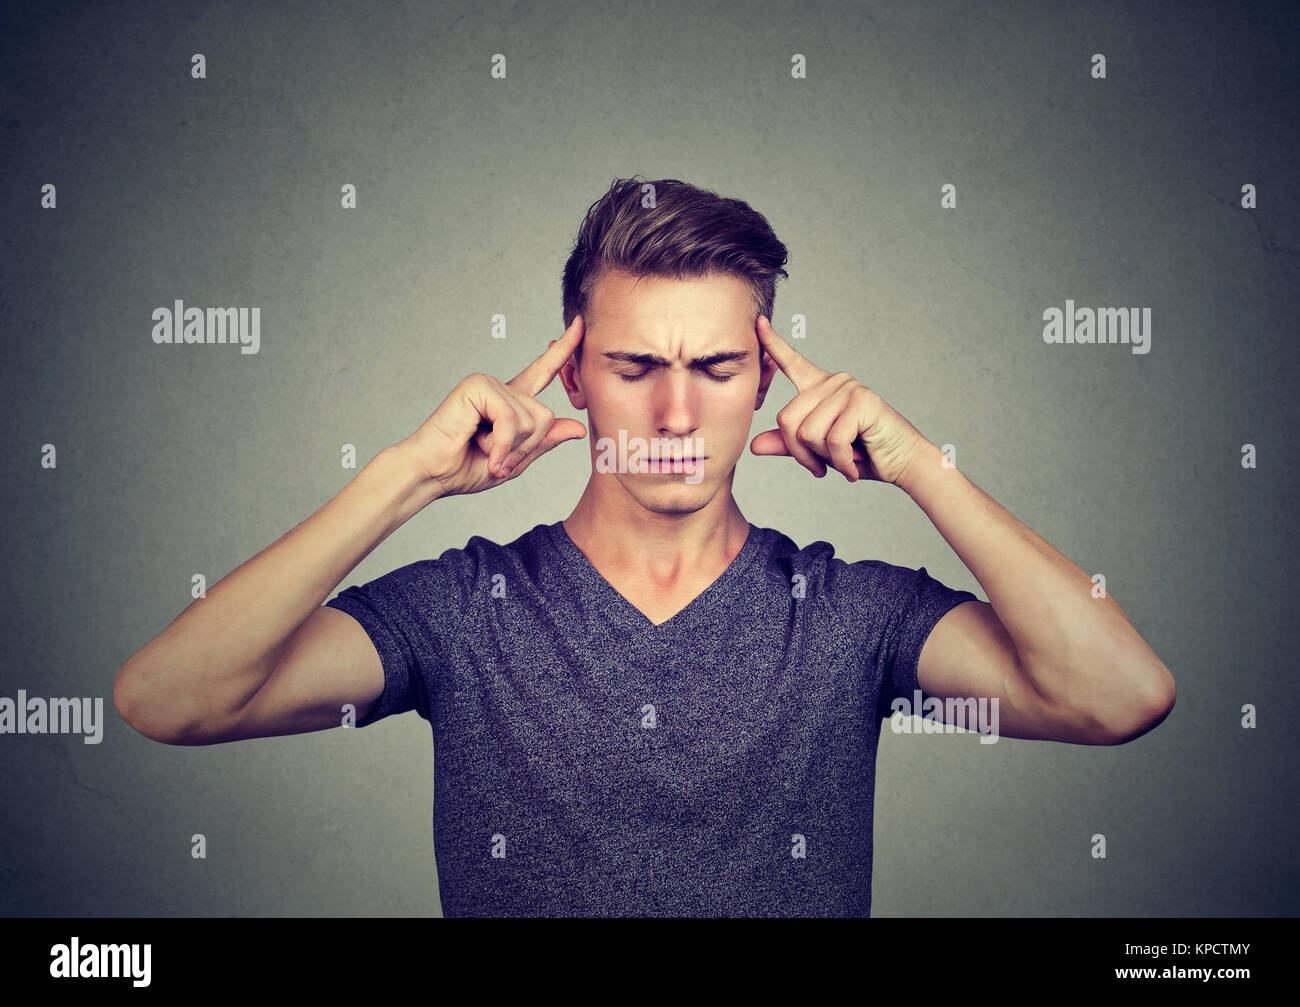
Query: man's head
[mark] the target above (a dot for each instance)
(669, 281)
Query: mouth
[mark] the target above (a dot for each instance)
(673, 464)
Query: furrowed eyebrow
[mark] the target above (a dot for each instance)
(653, 359)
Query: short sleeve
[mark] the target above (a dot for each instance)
(411, 616)
(922, 605)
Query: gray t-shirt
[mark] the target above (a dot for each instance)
(590, 763)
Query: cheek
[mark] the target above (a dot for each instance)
(730, 412)
(609, 391)
(736, 398)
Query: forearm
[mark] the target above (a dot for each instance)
(223, 647)
(1078, 651)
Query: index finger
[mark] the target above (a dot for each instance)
(801, 371)
(541, 372)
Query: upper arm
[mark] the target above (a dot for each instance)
(329, 661)
(970, 655)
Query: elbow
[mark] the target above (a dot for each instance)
(129, 690)
(1152, 705)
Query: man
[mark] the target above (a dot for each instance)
(652, 707)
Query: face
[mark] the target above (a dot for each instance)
(664, 359)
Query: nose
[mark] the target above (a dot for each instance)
(677, 404)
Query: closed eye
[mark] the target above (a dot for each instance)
(641, 374)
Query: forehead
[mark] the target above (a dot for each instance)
(659, 308)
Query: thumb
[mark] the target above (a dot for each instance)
(769, 442)
(562, 430)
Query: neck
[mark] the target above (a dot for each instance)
(617, 533)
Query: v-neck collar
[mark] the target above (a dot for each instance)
(627, 616)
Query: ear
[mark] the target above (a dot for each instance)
(767, 371)
(572, 380)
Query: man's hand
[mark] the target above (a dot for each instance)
(837, 419)
(488, 431)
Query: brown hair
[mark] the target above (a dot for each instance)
(688, 233)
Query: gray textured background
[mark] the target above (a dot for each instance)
(175, 460)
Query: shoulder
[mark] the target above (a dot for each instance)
(839, 579)
(482, 551)
(457, 567)
(778, 549)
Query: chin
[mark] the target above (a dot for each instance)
(674, 498)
